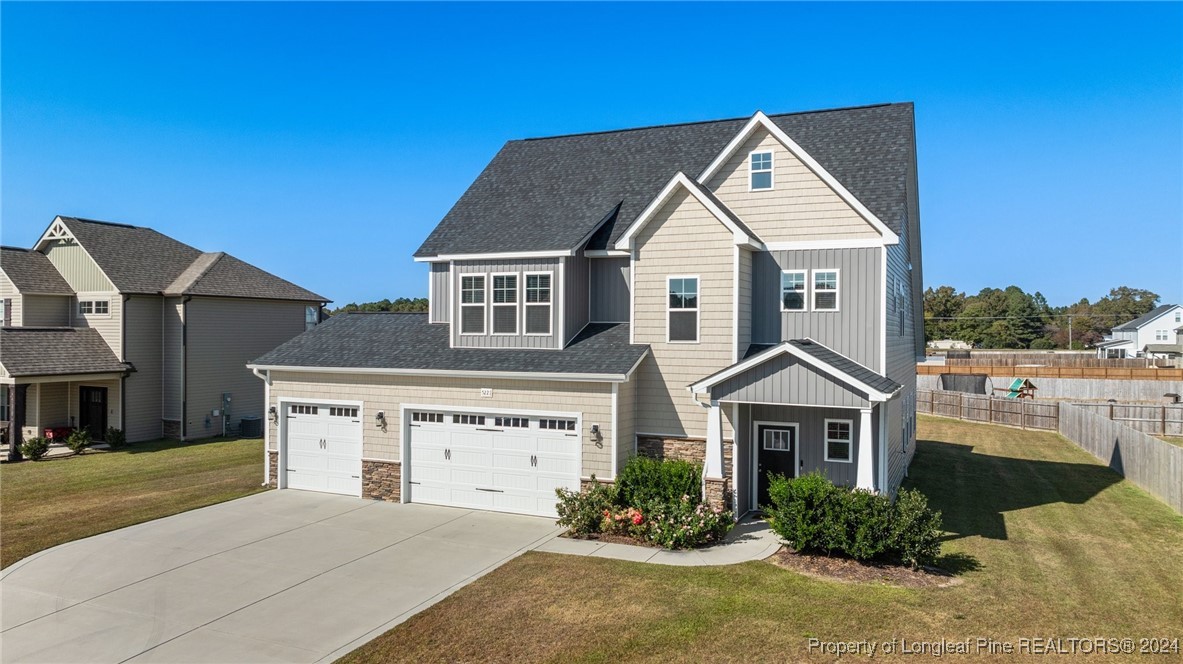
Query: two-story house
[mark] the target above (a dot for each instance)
(1149, 335)
(111, 325)
(743, 293)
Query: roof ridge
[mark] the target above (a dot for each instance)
(703, 122)
(102, 223)
(192, 274)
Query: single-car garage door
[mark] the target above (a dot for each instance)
(506, 463)
(323, 444)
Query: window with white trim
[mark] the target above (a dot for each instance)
(427, 418)
(556, 425)
(538, 303)
(793, 290)
(838, 440)
(825, 290)
(94, 307)
(760, 171)
(512, 422)
(472, 304)
(682, 321)
(1160, 335)
(778, 440)
(475, 420)
(505, 304)
(899, 305)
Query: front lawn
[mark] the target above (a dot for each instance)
(1046, 541)
(57, 500)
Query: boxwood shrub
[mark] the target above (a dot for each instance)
(644, 481)
(35, 448)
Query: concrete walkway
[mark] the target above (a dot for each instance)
(749, 540)
(282, 576)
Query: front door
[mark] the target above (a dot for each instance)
(92, 411)
(776, 452)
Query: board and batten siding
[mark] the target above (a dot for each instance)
(46, 310)
(172, 357)
(440, 301)
(785, 379)
(519, 267)
(853, 330)
(900, 364)
(224, 334)
(143, 318)
(811, 438)
(743, 306)
(799, 207)
(109, 325)
(9, 292)
(685, 239)
(609, 290)
(576, 295)
(388, 393)
(77, 267)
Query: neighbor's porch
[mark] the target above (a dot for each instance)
(36, 404)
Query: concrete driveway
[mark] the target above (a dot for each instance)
(287, 576)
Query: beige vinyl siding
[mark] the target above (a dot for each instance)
(143, 318)
(388, 393)
(171, 358)
(32, 426)
(109, 326)
(77, 267)
(223, 335)
(626, 409)
(114, 407)
(799, 207)
(682, 239)
(54, 405)
(46, 310)
(9, 292)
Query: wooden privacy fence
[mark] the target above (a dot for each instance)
(1055, 360)
(1153, 419)
(1022, 413)
(1153, 464)
(1104, 373)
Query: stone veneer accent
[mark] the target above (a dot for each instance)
(172, 428)
(273, 465)
(381, 480)
(585, 484)
(718, 492)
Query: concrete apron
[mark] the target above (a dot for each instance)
(286, 576)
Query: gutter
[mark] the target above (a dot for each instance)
(508, 375)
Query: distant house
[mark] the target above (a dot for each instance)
(949, 344)
(1151, 335)
(110, 325)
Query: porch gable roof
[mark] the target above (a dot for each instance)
(56, 351)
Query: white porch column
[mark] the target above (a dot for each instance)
(713, 467)
(866, 451)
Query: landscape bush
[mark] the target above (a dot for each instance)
(812, 514)
(583, 512)
(78, 440)
(684, 524)
(115, 438)
(35, 448)
(644, 481)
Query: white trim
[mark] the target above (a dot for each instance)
(761, 120)
(826, 440)
(801, 245)
(62, 378)
(453, 296)
(873, 394)
(494, 256)
(377, 460)
(550, 304)
(883, 257)
(837, 290)
(281, 466)
(632, 293)
(430, 283)
(615, 427)
(507, 375)
(560, 285)
(883, 461)
(681, 180)
(735, 425)
(517, 310)
(697, 309)
(70, 235)
(460, 304)
(605, 253)
(771, 170)
(805, 299)
(754, 460)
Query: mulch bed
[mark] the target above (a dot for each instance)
(612, 539)
(848, 570)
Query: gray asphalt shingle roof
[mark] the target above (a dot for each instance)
(55, 351)
(550, 193)
(408, 341)
(31, 272)
(846, 365)
(220, 274)
(1145, 318)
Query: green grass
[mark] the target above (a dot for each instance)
(1046, 542)
(58, 500)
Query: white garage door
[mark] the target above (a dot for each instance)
(323, 448)
(505, 463)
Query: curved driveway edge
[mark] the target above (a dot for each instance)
(279, 576)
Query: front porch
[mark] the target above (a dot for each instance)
(59, 403)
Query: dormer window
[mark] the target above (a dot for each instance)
(472, 304)
(538, 303)
(505, 304)
(760, 168)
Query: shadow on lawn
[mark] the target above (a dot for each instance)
(165, 444)
(974, 490)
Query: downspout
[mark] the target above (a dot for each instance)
(266, 378)
(185, 365)
(123, 358)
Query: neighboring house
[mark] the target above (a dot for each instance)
(1137, 337)
(949, 344)
(743, 293)
(110, 325)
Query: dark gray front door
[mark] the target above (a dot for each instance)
(776, 452)
(92, 411)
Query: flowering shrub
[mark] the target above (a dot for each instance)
(583, 511)
(684, 524)
(627, 521)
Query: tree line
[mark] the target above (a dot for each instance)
(1013, 318)
(402, 305)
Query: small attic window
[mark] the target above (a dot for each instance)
(760, 169)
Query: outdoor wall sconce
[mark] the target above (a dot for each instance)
(380, 420)
(595, 432)
(273, 415)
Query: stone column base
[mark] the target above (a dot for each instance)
(273, 466)
(171, 428)
(718, 492)
(381, 480)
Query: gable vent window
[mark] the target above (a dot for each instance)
(538, 303)
(429, 418)
(557, 425)
(683, 309)
(792, 290)
(472, 304)
(475, 420)
(760, 165)
(825, 290)
(505, 304)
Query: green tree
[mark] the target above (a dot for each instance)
(402, 305)
(941, 304)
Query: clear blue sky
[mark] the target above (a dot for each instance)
(323, 142)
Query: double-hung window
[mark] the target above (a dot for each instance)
(760, 170)
(900, 312)
(311, 316)
(825, 290)
(472, 304)
(505, 304)
(683, 309)
(838, 440)
(792, 290)
(538, 303)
